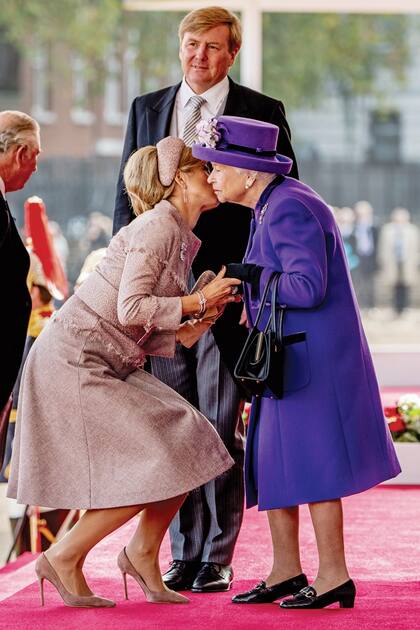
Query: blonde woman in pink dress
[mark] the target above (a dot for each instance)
(96, 431)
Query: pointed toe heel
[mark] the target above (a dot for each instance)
(45, 571)
(153, 597)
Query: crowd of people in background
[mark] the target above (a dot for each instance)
(383, 257)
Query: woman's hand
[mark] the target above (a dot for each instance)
(221, 290)
(217, 293)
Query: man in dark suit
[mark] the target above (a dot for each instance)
(204, 532)
(19, 149)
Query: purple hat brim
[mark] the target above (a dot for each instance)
(277, 164)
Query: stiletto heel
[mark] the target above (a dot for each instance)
(45, 571)
(154, 597)
(125, 584)
(308, 597)
(41, 589)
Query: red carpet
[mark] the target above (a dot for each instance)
(382, 535)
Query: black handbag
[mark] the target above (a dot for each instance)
(260, 365)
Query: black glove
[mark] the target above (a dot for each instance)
(246, 272)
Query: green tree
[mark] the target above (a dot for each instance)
(310, 56)
(306, 56)
(82, 26)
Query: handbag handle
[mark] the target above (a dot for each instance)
(277, 324)
(273, 324)
(271, 279)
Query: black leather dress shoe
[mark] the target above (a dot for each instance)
(308, 598)
(263, 594)
(213, 578)
(181, 575)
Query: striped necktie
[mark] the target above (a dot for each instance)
(192, 119)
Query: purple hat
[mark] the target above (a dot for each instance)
(241, 142)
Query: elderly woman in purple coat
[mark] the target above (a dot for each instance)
(327, 437)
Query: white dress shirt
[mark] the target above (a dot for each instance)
(2, 188)
(216, 98)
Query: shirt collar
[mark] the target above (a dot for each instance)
(2, 188)
(214, 95)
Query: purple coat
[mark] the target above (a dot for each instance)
(327, 437)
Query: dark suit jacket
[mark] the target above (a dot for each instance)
(223, 231)
(16, 301)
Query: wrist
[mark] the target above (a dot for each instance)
(202, 304)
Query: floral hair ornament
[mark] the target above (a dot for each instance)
(169, 152)
(241, 142)
(207, 133)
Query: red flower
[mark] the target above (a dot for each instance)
(397, 425)
(391, 412)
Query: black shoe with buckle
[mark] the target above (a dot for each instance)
(213, 578)
(308, 597)
(263, 594)
(181, 575)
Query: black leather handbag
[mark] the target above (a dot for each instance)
(260, 365)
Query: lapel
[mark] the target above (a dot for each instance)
(159, 113)
(5, 206)
(236, 103)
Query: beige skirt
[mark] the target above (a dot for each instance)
(93, 431)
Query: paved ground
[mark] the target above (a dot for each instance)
(383, 326)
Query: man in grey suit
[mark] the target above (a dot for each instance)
(204, 532)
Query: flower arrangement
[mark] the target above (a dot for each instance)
(207, 134)
(404, 419)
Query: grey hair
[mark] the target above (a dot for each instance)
(16, 128)
(261, 175)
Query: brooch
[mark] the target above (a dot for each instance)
(183, 251)
(262, 213)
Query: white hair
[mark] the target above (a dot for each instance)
(16, 128)
(259, 175)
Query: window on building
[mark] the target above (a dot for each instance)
(42, 98)
(9, 67)
(131, 69)
(113, 93)
(80, 111)
(385, 136)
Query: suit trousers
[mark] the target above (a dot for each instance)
(206, 527)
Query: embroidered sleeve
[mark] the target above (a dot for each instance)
(147, 256)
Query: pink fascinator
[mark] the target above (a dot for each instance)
(168, 154)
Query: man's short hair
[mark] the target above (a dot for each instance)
(202, 20)
(16, 128)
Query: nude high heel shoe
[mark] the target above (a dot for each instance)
(45, 571)
(154, 597)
